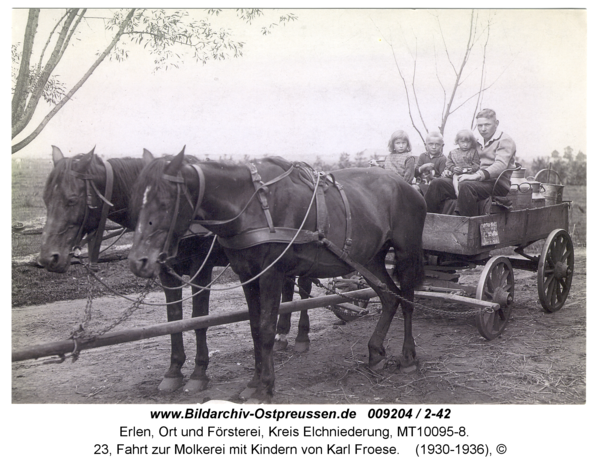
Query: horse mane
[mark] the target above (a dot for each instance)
(277, 160)
(126, 170)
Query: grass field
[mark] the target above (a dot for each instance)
(28, 208)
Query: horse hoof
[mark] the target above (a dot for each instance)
(253, 401)
(247, 393)
(407, 365)
(195, 386)
(280, 345)
(378, 366)
(170, 384)
(301, 346)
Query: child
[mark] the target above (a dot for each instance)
(400, 159)
(432, 162)
(463, 160)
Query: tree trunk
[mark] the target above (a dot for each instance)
(20, 95)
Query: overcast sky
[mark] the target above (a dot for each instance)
(325, 84)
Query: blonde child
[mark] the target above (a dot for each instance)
(464, 159)
(400, 159)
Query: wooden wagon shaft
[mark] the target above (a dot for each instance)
(124, 336)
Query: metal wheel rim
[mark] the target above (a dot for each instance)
(497, 276)
(555, 270)
(347, 315)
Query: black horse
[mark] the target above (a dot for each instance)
(265, 217)
(74, 210)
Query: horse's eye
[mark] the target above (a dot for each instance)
(71, 202)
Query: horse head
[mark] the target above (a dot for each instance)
(164, 197)
(72, 211)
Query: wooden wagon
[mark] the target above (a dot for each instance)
(452, 243)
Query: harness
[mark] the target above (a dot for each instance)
(271, 234)
(165, 254)
(90, 188)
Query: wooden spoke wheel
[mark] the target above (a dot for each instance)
(555, 270)
(352, 310)
(497, 285)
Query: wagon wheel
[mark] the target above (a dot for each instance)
(555, 270)
(348, 312)
(497, 284)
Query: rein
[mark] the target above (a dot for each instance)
(260, 187)
(179, 180)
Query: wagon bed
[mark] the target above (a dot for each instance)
(477, 236)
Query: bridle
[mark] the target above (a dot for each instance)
(90, 189)
(180, 184)
(260, 188)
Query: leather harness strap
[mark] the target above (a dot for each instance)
(260, 188)
(94, 248)
(270, 234)
(348, 241)
(322, 214)
(90, 186)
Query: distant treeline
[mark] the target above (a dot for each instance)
(570, 168)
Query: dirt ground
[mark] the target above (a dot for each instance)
(539, 359)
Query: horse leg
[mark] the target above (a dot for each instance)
(409, 272)
(270, 292)
(199, 380)
(252, 293)
(389, 304)
(284, 322)
(173, 378)
(302, 341)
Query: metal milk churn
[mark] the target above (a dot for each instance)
(537, 196)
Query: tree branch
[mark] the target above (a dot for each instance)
(482, 79)
(459, 74)
(75, 88)
(407, 95)
(439, 80)
(404, 82)
(444, 41)
(39, 65)
(413, 86)
(71, 32)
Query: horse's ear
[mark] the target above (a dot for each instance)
(85, 161)
(174, 165)
(57, 155)
(147, 156)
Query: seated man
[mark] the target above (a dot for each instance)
(496, 154)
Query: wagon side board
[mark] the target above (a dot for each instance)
(462, 235)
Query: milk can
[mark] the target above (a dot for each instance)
(552, 192)
(537, 196)
(521, 195)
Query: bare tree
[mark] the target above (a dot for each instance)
(478, 34)
(160, 32)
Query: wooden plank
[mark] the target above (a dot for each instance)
(462, 236)
(66, 346)
(63, 347)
